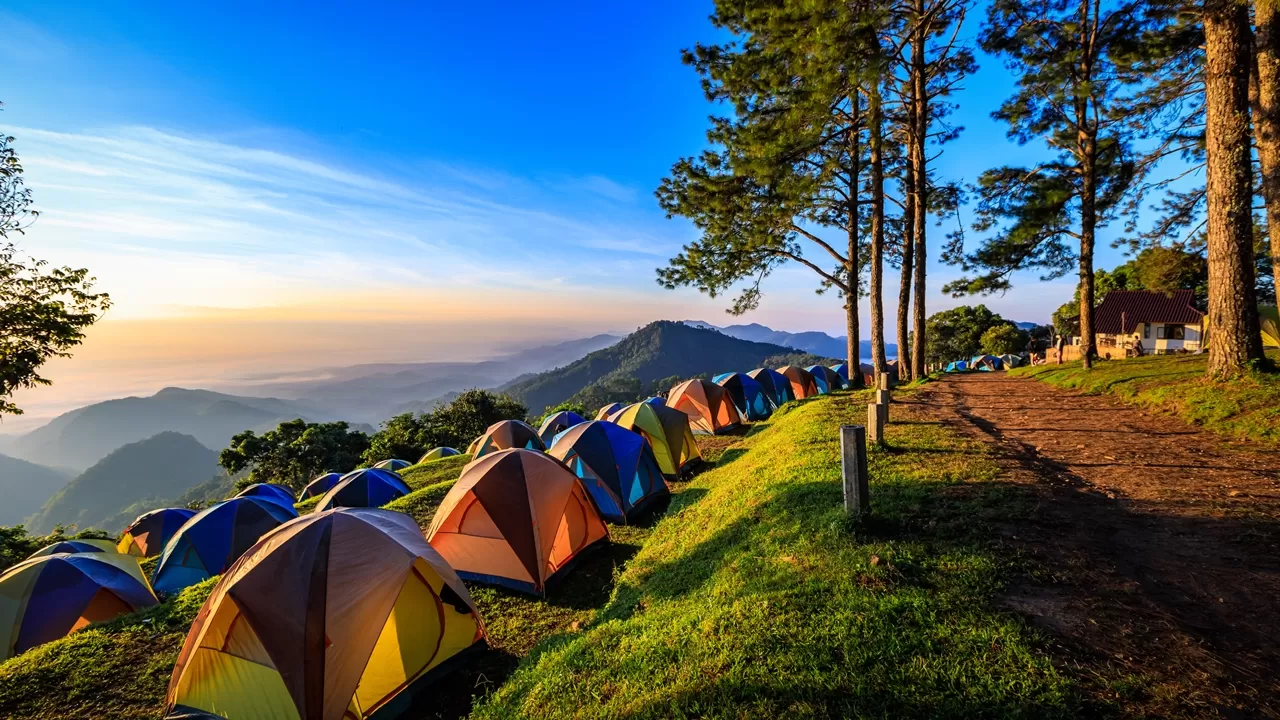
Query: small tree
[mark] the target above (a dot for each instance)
(403, 436)
(1003, 339)
(957, 333)
(294, 452)
(468, 416)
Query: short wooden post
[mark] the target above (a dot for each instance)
(877, 418)
(853, 464)
(883, 397)
(886, 382)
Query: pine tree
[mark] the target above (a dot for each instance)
(1266, 114)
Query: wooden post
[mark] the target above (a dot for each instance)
(877, 418)
(885, 381)
(883, 397)
(853, 464)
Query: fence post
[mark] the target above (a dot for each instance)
(885, 382)
(853, 465)
(877, 418)
(883, 397)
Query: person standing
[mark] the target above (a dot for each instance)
(1061, 344)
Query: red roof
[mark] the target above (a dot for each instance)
(1144, 306)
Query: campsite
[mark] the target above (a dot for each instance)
(666, 359)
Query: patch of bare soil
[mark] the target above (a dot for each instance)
(1158, 544)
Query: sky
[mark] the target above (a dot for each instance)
(276, 186)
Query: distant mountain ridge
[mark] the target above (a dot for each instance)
(24, 487)
(132, 479)
(815, 342)
(80, 438)
(658, 351)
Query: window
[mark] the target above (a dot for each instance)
(1160, 333)
(1146, 331)
(1175, 332)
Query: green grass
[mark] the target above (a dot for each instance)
(756, 595)
(1246, 407)
(118, 669)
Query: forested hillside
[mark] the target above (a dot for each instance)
(24, 487)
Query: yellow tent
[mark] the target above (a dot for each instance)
(667, 431)
(333, 615)
(1269, 318)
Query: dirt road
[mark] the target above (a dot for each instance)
(1161, 543)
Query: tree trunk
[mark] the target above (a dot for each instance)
(920, 116)
(1233, 311)
(1266, 116)
(875, 129)
(851, 226)
(904, 285)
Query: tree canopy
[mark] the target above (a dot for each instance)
(454, 424)
(294, 452)
(957, 333)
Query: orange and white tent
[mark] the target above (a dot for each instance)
(802, 383)
(709, 407)
(505, 435)
(515, 518)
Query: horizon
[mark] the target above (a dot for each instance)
(264, 191)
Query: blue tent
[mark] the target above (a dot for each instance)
(394, 465)
(986, 363)
(608, 410)
(657, 402)
(558, 423)
(151, 531)
(825, 378)
(843, 371)
(269, 491)
(215, 538)
(320, 485)
(616, 466)
(747, 395)
(369, 487)
(775, 387)
(957, 366)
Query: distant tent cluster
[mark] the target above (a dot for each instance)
(344, 611)
(985, 363)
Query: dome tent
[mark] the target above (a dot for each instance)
(1010, 360)
(214, 539)
(268, 491)
(507, 435)
(150, 532)
(607, 410)
(337, 614)
(48, 597)
(367, 487)
(320, 485)
(438, 454)
(394, 465)
(957, 366)
(826, 379)
(668, 433)
(76, 546)
(515, 518)
(776, 387)
(747, 395)
(709, 407)
(985, 363)
(558, 423)
(802, 384)
(616, 466)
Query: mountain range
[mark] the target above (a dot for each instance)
(661, 352)
(24, 487)
(137, 477)
(814, 342)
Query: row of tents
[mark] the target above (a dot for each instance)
(392, 604)
(986, 363)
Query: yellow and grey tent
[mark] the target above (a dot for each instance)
(335, 615)
(668, 433)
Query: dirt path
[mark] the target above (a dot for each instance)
(1161, 542)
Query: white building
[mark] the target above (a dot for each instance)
(1162, 323)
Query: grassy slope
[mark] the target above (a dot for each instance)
(1245, 408)
(755, 596)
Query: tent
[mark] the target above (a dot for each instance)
(438, 454)
(48, 597)
(825, 378)
(475, 445)
(394, 465)
(747, 395)
(607, 410)
(337, 615)
(320, 485)
(842, 370)
(507, 435)
(869, 373)
(370, 487)
(985, 363)
(76, 546)
(709, 407)
(659, 402)
(214, 539)
(1269, 318)
(269, 491)
(668, 433)
(558, 423)
(802, 384)
(776, 387)
(1010, 360)
(617, 467)
(150, 532)
(515, 518)
(957, 366)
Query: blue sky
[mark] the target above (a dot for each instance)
(283, 172)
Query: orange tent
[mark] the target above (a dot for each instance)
(709, 407)
(515, 518)
(505, 435)
(802, 384)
